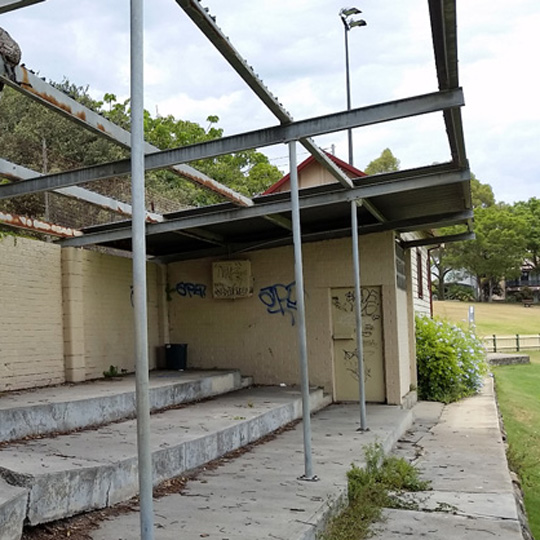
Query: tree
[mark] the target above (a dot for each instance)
(530, 213)
(449, 258)
(35, 137)
(386, 162)
(498, 250)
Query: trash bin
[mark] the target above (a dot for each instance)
(176, 356)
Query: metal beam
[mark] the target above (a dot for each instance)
(377, 187)
(205, 236)
(437, 240)
(358, 316)
(363, 116)
(281, 221)
(11, 5)
(301, 315)
(444, 37)
(42, 92)
(317, 236)
(206, 23)
(18, 173)
(37, 225)
(140, 301)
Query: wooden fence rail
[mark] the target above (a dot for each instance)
(516, 342)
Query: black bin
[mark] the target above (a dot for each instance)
(176, 356)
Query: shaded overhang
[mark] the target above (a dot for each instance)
(417, 199)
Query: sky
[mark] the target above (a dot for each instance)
(297, 48)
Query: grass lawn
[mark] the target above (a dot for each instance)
(518, 393)
(493, 318)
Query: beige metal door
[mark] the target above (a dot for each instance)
(344, 336)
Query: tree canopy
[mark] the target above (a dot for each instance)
(503, 238)
(386, 162)
(35, 137)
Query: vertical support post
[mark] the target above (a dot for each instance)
(139, 273)
(517, 342)
(494, 343)
(358, 313)
(348, 84)
(301, 314)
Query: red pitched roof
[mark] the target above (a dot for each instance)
(344, 166)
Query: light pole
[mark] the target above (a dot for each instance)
(349, 22)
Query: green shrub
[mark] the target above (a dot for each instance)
(457, 291)
(451, 361)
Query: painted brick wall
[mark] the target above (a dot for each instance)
(67, 314)
(31, 335)
(244, 334)
(108, 313)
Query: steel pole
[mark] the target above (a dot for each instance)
(139, 272)
(348, 85)
(301, 313)
(358, 313)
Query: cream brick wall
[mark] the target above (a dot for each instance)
(66, 314)
(108, 313)
(31, 338)
(243, 334)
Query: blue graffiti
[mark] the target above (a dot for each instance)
(279, 298)
(186, 289)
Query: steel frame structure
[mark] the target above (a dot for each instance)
(448, 99)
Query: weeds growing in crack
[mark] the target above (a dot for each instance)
(371, 489)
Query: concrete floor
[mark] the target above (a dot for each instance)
(259, 496)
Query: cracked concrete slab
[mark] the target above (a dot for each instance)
(462, 454)
(402, 524)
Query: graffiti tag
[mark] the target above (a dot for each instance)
(187, 289)
(279, 298)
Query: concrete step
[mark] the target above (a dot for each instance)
(67, 407)
(260, 495)
(86, 470)
(12, 510)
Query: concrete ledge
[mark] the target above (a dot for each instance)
(505, 359)
(94, 469)
(12, 511)
(66, 408)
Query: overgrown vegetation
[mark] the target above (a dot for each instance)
(451, 361)
(371, 489)
(518, 394)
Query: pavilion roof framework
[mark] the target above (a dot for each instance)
(408, 200)
(276, 225)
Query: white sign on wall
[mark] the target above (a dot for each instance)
(232, 279)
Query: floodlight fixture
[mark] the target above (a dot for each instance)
(349, 23)
(347, 12)
(359, 22)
